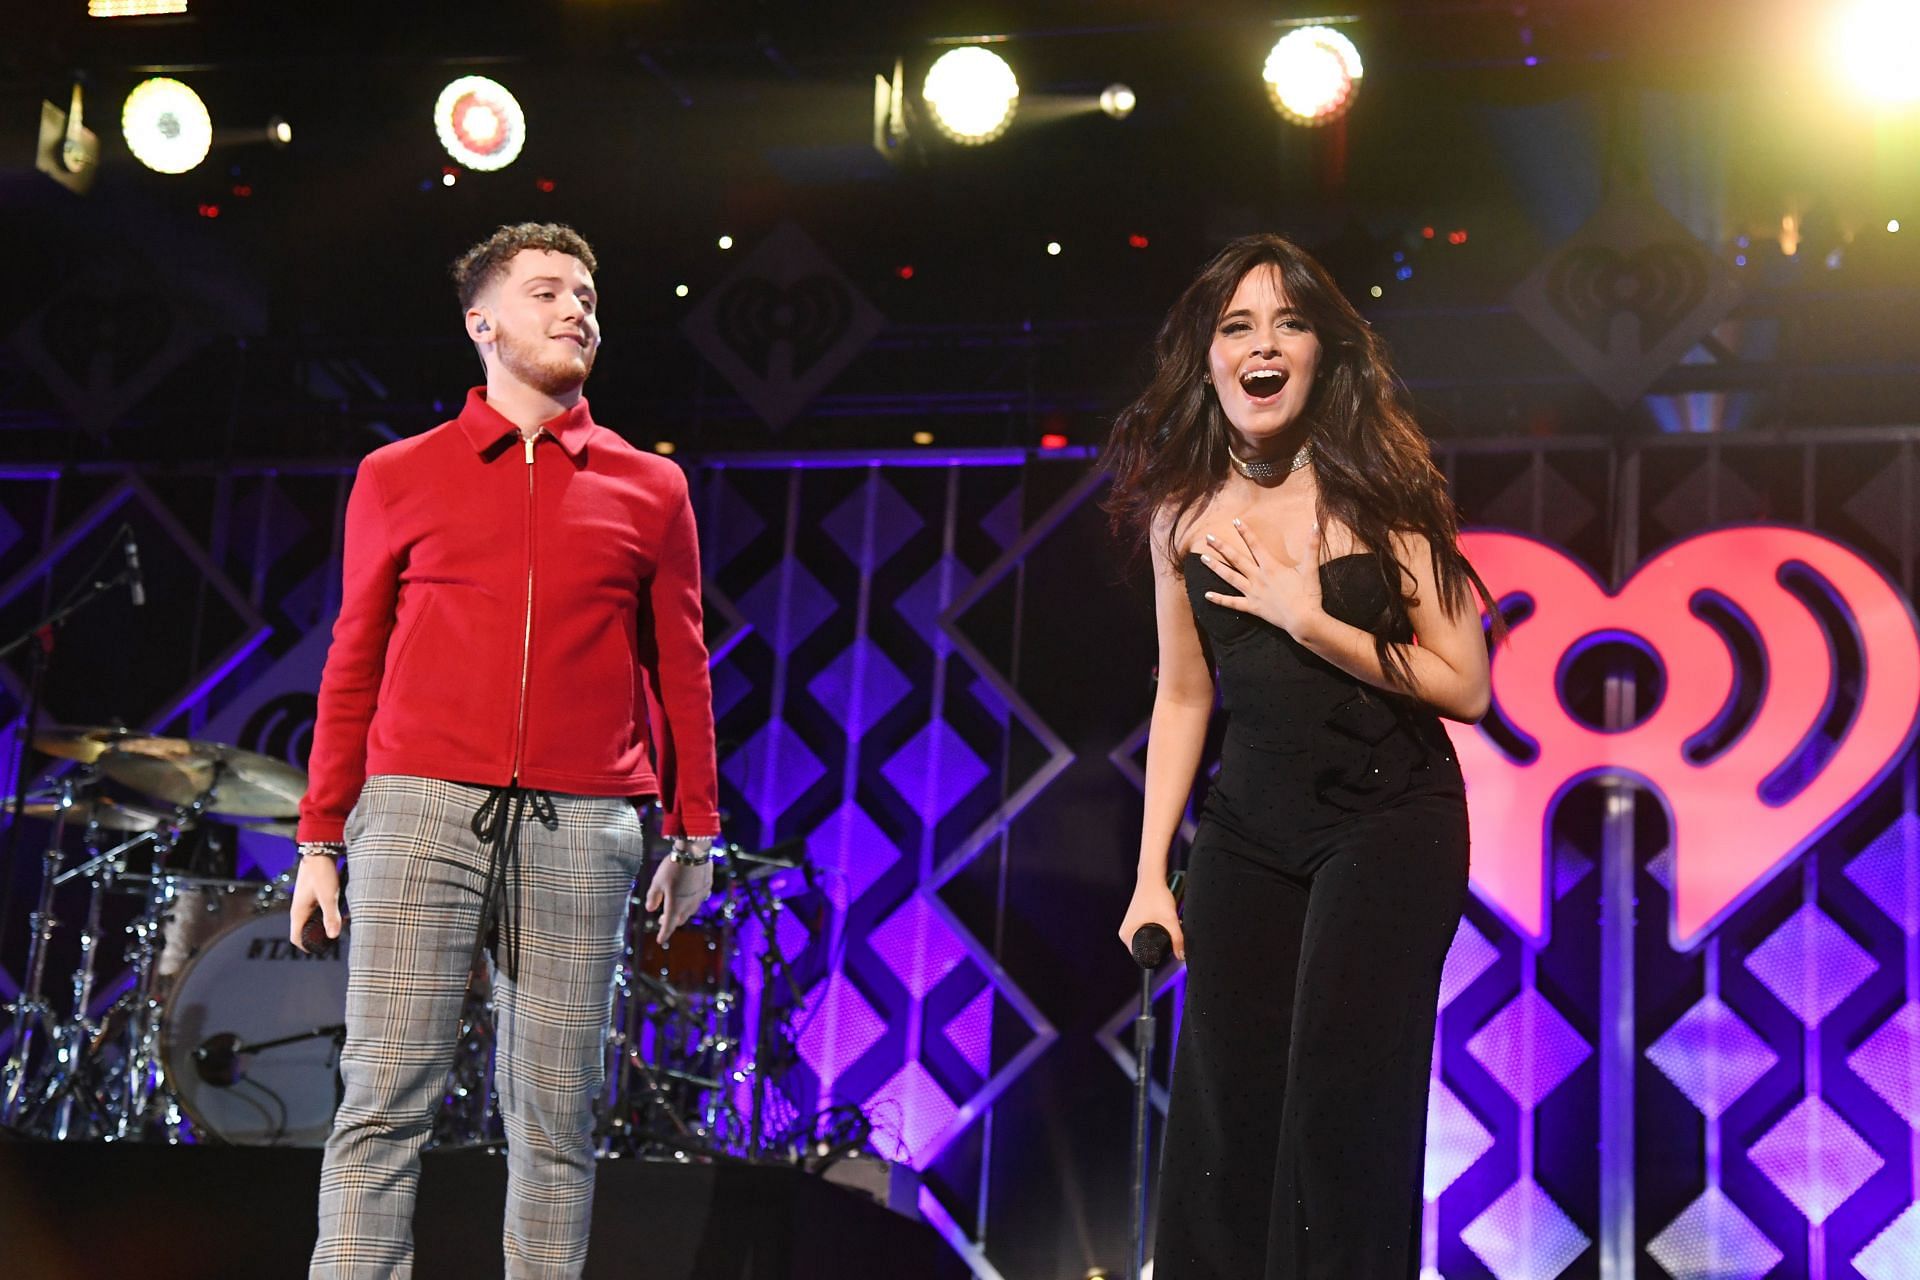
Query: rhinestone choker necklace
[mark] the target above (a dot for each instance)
(1261, 469)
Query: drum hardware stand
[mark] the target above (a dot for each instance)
(43, 634)
(75, 1067)
(30, 1009)
(774, 970)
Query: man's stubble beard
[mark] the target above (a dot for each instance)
(524, 361)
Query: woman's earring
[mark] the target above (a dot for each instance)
(1205, 376)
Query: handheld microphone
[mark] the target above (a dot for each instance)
(1151, 946)
(136, 584)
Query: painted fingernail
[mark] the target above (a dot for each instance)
(1211, 538)
(1236, 522)
(1205, 558)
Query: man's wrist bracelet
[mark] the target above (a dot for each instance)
(333, 849)
(691, 852)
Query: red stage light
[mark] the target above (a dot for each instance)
(1053, 440)
(1457, 237)
(1426, 233)
(544, 184)
(1137, 240)
(906, 272)
(243, 191)
(209, 210)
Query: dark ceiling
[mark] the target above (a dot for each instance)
(320, 317)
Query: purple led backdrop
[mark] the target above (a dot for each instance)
(936, 672)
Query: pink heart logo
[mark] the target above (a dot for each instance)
(1751, 765)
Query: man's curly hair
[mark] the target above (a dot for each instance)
(487, 261)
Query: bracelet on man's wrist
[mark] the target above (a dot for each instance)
(334, 849)
(689, 853)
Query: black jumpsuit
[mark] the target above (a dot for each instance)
(1323, 891)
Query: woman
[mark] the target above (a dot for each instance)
(1301, 539)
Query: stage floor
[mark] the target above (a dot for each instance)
(70, 1211)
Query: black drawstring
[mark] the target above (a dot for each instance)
(497, 824)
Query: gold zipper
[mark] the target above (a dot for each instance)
(526, 636)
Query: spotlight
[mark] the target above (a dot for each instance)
(726, 242)
(681, 291)
(972, 94)
(1117, 101)
(167, 126)
(279, 132)
(480, 123)
(134, 8)
(1877, 46)
(1313, 75)
(1053, 248)
(923, 437)
(663, 447)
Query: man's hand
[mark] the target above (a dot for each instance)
(677, 892)
(317, 885)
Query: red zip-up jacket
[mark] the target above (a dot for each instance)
(518, 612)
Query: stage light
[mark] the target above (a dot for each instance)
(480, 123)
(1137, 240)
(1053, 248)
(663, 447)
(1877, 47)
(167, 126)
(905, 271)
(1313, 75)
(1893, 224)
(681, 291)
(279, 132)
(448, 178)
(923, 437)
(972, 94)
(726, 242)
(1117, 101)
(1376, 291)
(134, 8)
(1053, 440)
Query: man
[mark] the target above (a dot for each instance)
(518, 657)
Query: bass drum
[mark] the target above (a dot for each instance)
(250, 1035)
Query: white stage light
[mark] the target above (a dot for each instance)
(166, 125)
(1877, 44)
(1117, 101)
(480, 123)
(972, 94)
(1313, 75)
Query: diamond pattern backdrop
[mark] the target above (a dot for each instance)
(865, 623)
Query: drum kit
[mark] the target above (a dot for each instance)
(214, 1031)
(219, 1030)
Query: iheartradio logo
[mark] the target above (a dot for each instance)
(1790, 685)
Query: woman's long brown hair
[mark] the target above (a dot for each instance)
(1168, 450)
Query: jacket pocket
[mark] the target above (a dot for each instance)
(402, 645)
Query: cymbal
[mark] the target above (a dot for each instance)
(243, 783)
(81, 742)
(110, 814)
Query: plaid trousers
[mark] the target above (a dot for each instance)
(417, 879)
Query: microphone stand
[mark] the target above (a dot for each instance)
(1151, 946)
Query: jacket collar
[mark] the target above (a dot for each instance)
(484, 427)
